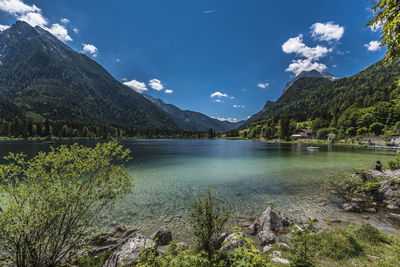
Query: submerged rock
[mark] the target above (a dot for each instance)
(163, 236)
(351, 207)
(129, 252)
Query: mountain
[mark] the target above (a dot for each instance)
(310, 74)
(350, 105)
(191, 120)
(42, 78)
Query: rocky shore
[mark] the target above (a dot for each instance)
(126, 245)
(372, 191)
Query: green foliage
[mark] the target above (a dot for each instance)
(93, 261)
(174, 256)
(394, 164)
(284, 127)
(302, 252)
(338, 244)
(376, 128)
(387, 14)
(207, 220)
(370, 234)
(51, 201)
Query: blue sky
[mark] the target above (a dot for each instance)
(223, 58)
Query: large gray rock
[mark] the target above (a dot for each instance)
(129, 252)
(233, 241)
(111, 240)
(163, 236)
(273, 221)
(267, 238)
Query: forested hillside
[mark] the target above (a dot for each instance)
(367, 103)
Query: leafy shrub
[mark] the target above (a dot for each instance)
(394, 164)
(93, 261)
(50, 202)
(207, 220)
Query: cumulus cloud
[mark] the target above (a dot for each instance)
(117, 60)
(76, 30)
(377, 26)
(33, 15)
(238, 106)
(297, 46)
(263, 85)
(17, 7)
(373, 46)
(90, 49)
(137, 86)
(156, 84)
(218, 101)
(3, 27)
(327, 31)
(60, 32)
(300, 65)
(169, 91)
(34, 19)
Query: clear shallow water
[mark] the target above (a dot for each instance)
(170, 174)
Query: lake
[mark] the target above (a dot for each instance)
(247, 176)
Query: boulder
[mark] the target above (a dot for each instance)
(162, 237)
(370, 210)
(266, 248)
(267, 237)
(109, 241)
(272, 220)
(351, 207)
(129, 252)
(276, 257)
(233, 241)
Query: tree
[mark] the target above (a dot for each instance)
(207, 220)
(376, 128)
(284, 127)
(387, 16)
(50, 202)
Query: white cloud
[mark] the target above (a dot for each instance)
(210, 11)
(156, 84)
(64, 20)
(60, 32)
(226, 119)
(238, 106)
(327, 31)
(17, 7)
(137, 86)
(218, 94)
(296, 45)
(76, 30)
(117, 60)
(3, 27)
(299, 65)
(377, 26)
(169, 91)
(218, 101)
(34, 19)
(33, 16)
(263, 85)
(124, 79)
(90, 49)
(373, 46)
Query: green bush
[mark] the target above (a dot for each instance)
(370, 234)
(50, 202)
(338, 244)
(207, 220)
(394, 164)
(93, 261)
(302, 251)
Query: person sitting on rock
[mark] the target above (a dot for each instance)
(378, 166)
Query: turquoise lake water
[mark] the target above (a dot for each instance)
(247, 175)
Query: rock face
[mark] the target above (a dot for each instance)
(352, 207)
(163, 236)
(129, 252)
(233, 241)
(267, 238)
